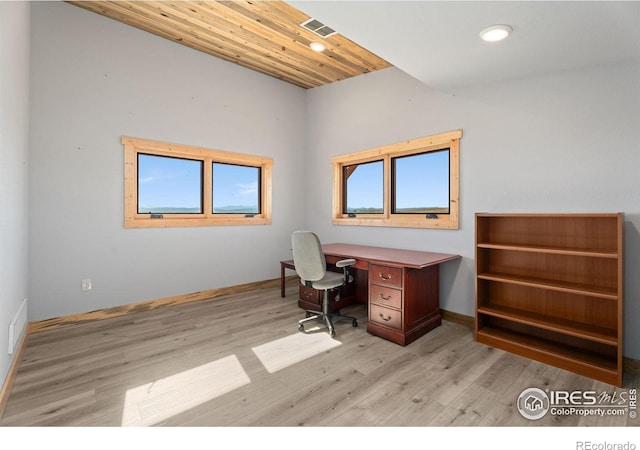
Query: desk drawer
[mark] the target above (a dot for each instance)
(390, 276)
(314, 296)
(385, 316)
(385, 296)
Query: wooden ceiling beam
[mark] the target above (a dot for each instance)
(206, 43)
(265, 41)
(357, 55)
(264, 36)
(292, 37)
(218, 41)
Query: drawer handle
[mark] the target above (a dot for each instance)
(386, 319)
(384, 277)
(388, 297)
(308, 294)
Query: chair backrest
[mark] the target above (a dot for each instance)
(308, 257)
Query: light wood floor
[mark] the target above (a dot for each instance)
(240, 361)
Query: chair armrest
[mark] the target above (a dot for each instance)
(345, 262)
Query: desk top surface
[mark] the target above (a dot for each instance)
(407, 258)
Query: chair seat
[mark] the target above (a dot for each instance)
(329, 281)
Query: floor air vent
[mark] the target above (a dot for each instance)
(318, 28)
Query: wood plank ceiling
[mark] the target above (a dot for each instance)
(265, 36)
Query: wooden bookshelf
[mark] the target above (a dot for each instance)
(549, 287)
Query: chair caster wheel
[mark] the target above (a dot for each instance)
(354, 323)
(301, 328)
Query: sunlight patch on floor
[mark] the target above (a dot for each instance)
(153, 402)
(284, 352)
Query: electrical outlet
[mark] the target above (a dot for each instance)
(86, 285)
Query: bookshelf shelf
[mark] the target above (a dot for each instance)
(549, 287)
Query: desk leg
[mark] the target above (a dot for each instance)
(281, 280)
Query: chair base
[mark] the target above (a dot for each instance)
(328, 319)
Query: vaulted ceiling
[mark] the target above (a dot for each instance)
(265, 36)
(436, 42)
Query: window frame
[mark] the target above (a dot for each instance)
(259, 189)
(450, 140)
(395, 176)
(133, 219)
(345, 190)
(201, 170)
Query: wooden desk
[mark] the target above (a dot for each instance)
(400, 287)
(288, 264)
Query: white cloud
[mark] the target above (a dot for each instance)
(248, 188)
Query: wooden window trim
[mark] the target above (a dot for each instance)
(132, 219)
(449, 221)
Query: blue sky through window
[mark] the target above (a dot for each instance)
(235, 188)
(174, 185)
(365, 188)
(169, 185)
(422, 182)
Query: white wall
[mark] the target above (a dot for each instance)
(14, 133)
(95, 80)
(563, 143)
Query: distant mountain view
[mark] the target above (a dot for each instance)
(434, 210)
(231, 209)
(419, 210)
(236, 209)
(365, 210)
(170, 210)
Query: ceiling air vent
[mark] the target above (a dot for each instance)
(318, 28)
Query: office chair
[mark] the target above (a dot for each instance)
(311, 267)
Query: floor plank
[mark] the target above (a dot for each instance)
(238, 360)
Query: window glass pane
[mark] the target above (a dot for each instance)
(363, 188)
(169, 185)
(236, 189)
(421, 183)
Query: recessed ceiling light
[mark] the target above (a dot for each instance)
(317, 46)
(496, 33)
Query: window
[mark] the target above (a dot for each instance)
(411, 184)
(236, 189)
(363, 190)
(171, 185)
(420, 183)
